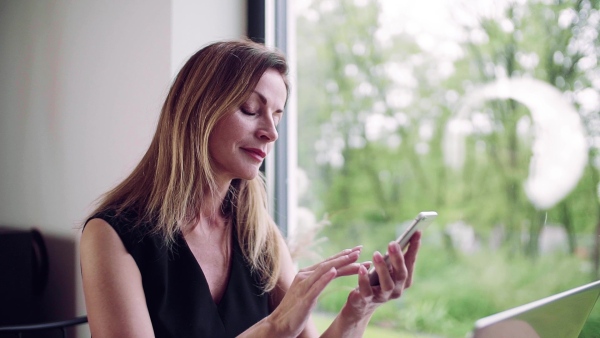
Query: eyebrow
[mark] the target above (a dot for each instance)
(263, 99)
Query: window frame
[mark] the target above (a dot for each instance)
(268, 24)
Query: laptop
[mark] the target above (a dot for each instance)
(559, 316)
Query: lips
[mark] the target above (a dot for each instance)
(256, 153)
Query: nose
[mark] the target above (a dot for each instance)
(268, 131)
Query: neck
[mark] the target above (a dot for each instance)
(211, 215)
(212, 200)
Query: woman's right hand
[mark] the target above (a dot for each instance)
(293, 310)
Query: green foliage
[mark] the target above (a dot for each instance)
(370, 184)
(450, 292)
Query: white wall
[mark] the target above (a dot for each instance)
(81, 85)
(196, 23)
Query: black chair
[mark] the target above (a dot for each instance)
(24, 268)
(42, 329)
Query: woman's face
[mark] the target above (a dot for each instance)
(240, 142)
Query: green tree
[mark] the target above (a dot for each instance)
(381, 109)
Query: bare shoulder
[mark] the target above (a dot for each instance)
(98, 231)
(104, 259)
(112, 284)
(100, 242)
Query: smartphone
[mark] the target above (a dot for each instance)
(420, 222)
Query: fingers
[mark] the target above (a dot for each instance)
(338, 260)
(383, 272)
(394, 273)
(344, 252)
(364, 285)
(402, 265)
(301, 296)
(310, 283)
(290, 316)
(316, 277)
(411, 256)
(398, 270)
(320, 282)
(352, 269)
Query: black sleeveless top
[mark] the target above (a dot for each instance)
(176, 290)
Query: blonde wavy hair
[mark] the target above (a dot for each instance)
(166, 187)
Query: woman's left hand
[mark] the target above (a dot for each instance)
(393, 280)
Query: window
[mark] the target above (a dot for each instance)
(487, 112)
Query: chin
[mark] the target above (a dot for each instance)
(248, 175)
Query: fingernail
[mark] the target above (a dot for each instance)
(353, 255)
(362, 270)
(377, 257)
(393, 247)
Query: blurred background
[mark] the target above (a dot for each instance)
(487, 112)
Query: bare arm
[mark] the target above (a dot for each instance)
(112, 285)
(116, 302)
(288, 273)
(296, 294)
(365, 299)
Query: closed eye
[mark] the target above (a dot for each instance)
(247, 112)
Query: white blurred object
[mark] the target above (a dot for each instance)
(553, 238)
(560, 150)
(463, 237)
(304, 230)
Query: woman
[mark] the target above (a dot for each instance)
(185, 247)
